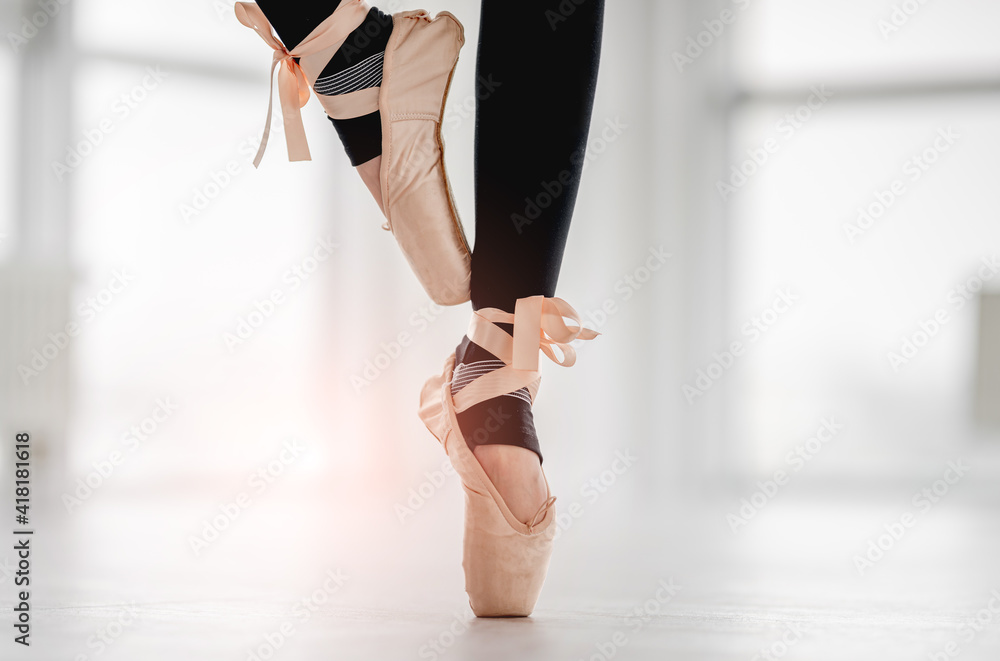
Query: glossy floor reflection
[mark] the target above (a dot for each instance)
(313, 571)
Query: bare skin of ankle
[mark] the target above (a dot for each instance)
(517, 475)
(370, 172)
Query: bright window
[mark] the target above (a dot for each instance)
(844, 113)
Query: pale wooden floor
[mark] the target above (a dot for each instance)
(788, 574)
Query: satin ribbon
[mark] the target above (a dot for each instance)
(540, 514)
(293, 87)
(539, 323)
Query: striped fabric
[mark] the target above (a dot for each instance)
(466, 373)
(365, 74)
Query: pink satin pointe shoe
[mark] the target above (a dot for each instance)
(419, 63)
(505, 560)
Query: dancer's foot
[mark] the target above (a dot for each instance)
(384, 85)
(501, 433)
(352, 74)
(356, 69)
(508, 541)
(517, 475)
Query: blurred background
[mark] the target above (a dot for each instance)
(788, 224)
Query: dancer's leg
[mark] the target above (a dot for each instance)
(294, 20)
(356, 65)
(531, 133)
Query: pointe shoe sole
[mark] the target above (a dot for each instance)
(420, 61)
(505, 560)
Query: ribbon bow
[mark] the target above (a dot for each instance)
(293, 87)
(539, 324)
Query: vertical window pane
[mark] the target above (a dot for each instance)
(169, 197)
(877, 216)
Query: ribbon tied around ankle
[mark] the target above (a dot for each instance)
(293, 87)
(540, 323)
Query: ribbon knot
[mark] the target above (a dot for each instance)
(540, 323)
(293, 87)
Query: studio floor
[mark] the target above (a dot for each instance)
(343, 571)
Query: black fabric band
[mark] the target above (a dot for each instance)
(358, 135)
(358, 63)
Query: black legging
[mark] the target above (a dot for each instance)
(536, 76)
(293, 21)
(531, 133)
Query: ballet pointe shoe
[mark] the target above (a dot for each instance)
(420, 211)
(414, 192)
(505, 560)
